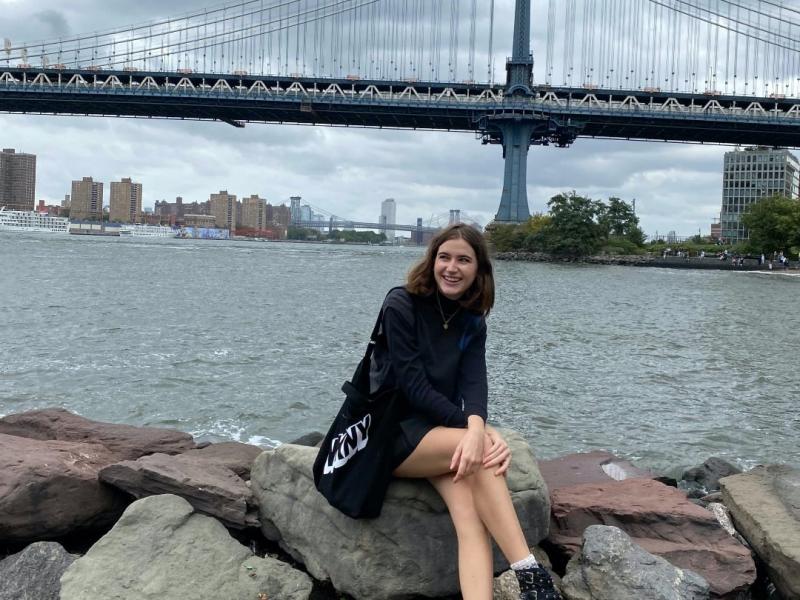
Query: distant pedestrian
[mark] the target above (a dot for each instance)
(762, 259)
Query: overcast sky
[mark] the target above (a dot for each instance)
(347, 172)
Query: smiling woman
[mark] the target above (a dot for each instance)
(431, 347)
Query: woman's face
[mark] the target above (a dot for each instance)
(455, 268)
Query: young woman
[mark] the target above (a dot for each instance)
(435, 334)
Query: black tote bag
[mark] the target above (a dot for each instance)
(353, 467)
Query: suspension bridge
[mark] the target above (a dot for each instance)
(694, 71)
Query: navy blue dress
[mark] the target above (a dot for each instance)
(442, 372)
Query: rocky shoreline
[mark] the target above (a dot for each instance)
(92, 510)
(643, 260)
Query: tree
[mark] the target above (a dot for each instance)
(574, 229)
(620, 221)
(773, 223)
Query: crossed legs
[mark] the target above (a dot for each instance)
(480, 506)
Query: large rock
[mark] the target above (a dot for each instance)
(34, 573)
(661, 520)
(161, 550)
(236, 456)
(210, 487)
(588, 467)
(410, 549)
(704, 479)
(611, 567)
(765, 506)
(49, 489)
(126, 441)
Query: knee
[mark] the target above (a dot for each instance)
(465, 515)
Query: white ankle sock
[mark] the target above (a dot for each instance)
(526, 563)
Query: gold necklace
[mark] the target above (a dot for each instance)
(446, 321)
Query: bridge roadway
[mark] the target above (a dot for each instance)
(649, 114)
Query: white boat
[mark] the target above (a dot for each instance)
(161, 231)
(23, 220)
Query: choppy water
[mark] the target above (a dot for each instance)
(251, 341)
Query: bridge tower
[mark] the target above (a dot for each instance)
(514, 130)
(517, 126)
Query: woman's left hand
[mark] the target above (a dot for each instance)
(497, 453)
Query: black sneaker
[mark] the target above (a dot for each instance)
(535, 583)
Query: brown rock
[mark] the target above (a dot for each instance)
(126, 441)
(588, 467)
(659, 519)
(50, 488)
(236, 456)
(210, 488)
(765, 506)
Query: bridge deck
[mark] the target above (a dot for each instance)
(622, 114)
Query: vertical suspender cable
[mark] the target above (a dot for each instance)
(491, 39)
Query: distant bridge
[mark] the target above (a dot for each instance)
(332, 224)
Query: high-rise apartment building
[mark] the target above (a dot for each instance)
(125, 201)
(294, 208)
(17, 180)
(388, 217)
(279, 215)
(750, 174)
(223, 207)
(86, 200)
(253, 214)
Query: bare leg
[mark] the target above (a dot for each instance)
(488, 495)
(475, 571)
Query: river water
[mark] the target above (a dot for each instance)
(251, 341)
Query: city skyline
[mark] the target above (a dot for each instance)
(676, 187)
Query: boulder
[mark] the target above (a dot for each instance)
(34, 573)
(704, 479)
(210, 487)
(765, 506)
(49, 489)
(125, 441)
(412, 545)
(236, 456)
(309, 439)
(588, 467)
(160, 549)
(661, 520)
(611, 567)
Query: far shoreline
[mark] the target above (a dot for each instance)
(646, 260)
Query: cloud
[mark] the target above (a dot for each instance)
(55, 23)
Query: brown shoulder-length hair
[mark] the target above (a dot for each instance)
(480, 296)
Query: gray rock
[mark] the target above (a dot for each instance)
(125, 441)
(161, 550)
(412, 545)
(310, 439)
(611, 567)
(210, 487)
(34, 573)
(704, 479)
(765, 506)
(236, 456)
(49, 489)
